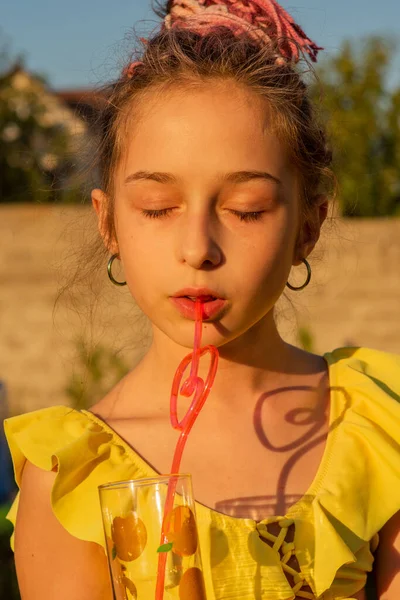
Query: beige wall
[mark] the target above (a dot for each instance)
(354, 298)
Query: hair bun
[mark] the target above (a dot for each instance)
(264, 20)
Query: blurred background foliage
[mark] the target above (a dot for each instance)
(32, 147)
(40, 149)
(39, 139)
(8, 580)
(97, 370)
(363, 117)
(8, 488)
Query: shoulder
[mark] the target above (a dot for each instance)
(41, 539)
(40, 434)
(55, 414)
(67, 454)
(363, 489)
(36, 480)
(366, 386)
(387, 572)
(363, 357)
(59, 438)
(365, 368)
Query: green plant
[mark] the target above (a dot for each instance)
(306, 339)
(98, 369)
(8, 578)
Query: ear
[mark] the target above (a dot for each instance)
(311, 229)
(100, 203)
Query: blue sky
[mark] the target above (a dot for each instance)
(80, 43)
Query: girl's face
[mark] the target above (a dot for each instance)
(205, 197)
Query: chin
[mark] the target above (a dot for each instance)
(213, 334)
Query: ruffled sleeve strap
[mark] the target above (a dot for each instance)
(362, 489)
(84, 455)
(370, 438)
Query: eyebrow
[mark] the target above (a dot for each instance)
(236, 177)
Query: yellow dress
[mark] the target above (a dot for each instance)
(336, 523)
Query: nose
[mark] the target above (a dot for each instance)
(198, 246)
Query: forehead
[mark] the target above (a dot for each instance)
(218, 126)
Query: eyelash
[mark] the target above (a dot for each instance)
(165, 212)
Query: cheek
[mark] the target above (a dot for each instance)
(139, 257)
(148, 266)
(270, 249)
(143, 262)
(137, 243)
(262, 271)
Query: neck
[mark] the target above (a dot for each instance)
(247, 365)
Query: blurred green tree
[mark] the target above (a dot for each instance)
(35, 144)
(363, 118)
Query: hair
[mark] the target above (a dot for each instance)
(181, 58)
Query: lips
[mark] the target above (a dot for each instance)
(205, 294)
(202, 298)
(187, 307)
(211, 301)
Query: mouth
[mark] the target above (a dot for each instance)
(205, 294)
(211, 305)
(202, 298)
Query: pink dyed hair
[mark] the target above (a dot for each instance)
(263, 20)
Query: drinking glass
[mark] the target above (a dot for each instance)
(142, 541)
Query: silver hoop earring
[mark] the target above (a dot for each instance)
(110, 275)
(301, 287)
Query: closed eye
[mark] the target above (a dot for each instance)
(156, 214)
(248, 216)
(243, 216)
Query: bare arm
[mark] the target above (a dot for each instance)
(388, 560)
(50, 562)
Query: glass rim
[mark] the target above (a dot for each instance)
(144, 481)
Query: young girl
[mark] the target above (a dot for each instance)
(214, 171)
